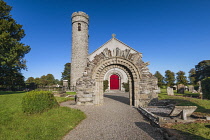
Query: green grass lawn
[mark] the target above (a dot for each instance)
(50, 125)
(195, 131)
(63, 99)
(203, 105)
(71, 93)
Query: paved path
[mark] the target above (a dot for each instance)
(115, 120)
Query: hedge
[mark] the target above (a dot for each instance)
(38, 102)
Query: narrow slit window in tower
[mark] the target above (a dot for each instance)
(79, 26)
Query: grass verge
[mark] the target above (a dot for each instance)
(53, 124)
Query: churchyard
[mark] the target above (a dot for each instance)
(56, 123)
(199, 129)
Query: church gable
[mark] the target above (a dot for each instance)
(112, 45)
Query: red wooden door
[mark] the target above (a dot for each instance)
(114, 82)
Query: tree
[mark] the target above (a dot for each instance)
(181, 78)
(30, 80)
(169, 78)
(12, 50)
(160, 78)
(47, 80)
(192, 76)
(205, 83)
(66, 73)
(50, 79)
(202, 70)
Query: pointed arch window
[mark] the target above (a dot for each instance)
(79, 26)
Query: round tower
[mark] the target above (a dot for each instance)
(79, 45)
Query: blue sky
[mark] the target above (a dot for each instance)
(172, 34)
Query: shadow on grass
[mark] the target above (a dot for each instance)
(121, 99)
(189, 136)
(10, 92)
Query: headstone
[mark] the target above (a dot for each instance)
(191, 88)
(65, 84)
(199, 89)
(170, 91)
(180, 88)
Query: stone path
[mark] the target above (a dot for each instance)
(115, 120)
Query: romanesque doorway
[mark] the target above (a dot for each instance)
(114, 82)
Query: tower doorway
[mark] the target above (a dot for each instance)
(114, 82)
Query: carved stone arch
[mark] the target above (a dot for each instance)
(142, 84)
(131, 71)
(116, 61)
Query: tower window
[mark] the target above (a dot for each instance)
(79, 26)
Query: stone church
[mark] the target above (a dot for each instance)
(114, 61)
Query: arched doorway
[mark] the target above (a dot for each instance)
(114, 82)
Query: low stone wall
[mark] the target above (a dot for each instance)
(154, 119)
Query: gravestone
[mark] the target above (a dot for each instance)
(65, 84)
(191, 88)
(170, 91)
(199, 89)
(180, 88)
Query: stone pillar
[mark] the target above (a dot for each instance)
(80, 23)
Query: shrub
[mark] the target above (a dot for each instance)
(106, 85)
(38, 102)
(206, 87)
(126, 86)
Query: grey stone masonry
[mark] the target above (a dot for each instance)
(80, 25)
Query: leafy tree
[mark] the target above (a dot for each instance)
(57, 81)
(191, 77)
(12, 50)
(43, 81)
(202, 70)
(47, 80)
(50, 79)
(30, 83)
(37, 81)
(205, 83)
(181, 78)
(160, 78)
(66, 73)
(169, 78)
(30, 80)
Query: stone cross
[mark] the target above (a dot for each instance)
(113, 35)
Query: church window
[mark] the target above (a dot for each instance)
(79, 26)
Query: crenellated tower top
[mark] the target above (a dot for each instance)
(80, 17)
